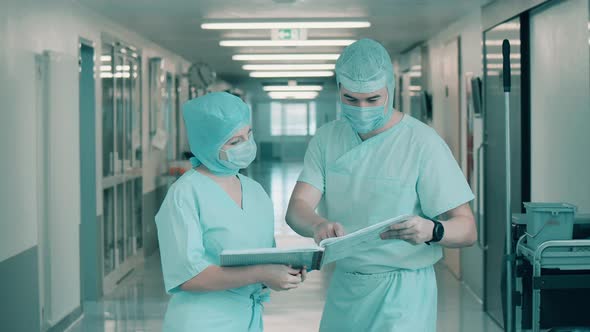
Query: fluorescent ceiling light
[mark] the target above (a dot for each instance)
(497, 73)
(415, 74)
(270, 74)
(293, 95)
(274, 43)
(282, 57)
(513, 26)
(416, 68)
(293, 88)
(105, 58)
(290, 67)
(494, 42)
(498, 56)
(500, 65)
(106, 68)
(286, 25)
(415, 88)
(282, 98)
(116, 75)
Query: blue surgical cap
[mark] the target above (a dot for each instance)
(365, 66)
(211, 120)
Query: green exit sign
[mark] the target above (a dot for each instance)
(289, 34)
(286, 34)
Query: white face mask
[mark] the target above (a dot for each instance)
(241, 155)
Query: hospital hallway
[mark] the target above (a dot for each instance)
(147, 146)
(138, 303)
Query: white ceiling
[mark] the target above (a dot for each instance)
(175, 24)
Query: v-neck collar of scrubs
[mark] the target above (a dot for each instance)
(360, 144)
(401, 123)
(225, 194)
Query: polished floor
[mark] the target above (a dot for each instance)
(139, 302)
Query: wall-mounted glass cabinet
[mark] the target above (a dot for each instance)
(120, 75)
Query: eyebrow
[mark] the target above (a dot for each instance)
(371, 97)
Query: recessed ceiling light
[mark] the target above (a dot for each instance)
(270, 74)
(499, 56)
(275, 43)
(286, 25)
(293, 88)
(293, 95)
(290, 67)
(284, 57)
(499, 42)
(500, 65)
(512, 26)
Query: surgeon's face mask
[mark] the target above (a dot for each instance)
(239, 156)
(364, 119)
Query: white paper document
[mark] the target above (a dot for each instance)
(329, 250)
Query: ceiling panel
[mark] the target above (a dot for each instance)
(175, 24)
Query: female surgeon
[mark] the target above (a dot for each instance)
(212, 208)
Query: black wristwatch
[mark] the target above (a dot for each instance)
(437, 232)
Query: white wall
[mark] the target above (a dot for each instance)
(28, 28)
(560, 111)
(469, 30)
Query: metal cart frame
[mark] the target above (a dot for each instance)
(567, 258)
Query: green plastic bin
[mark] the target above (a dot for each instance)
(549, 221)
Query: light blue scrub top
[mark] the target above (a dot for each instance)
(198, 220)
(406, 170)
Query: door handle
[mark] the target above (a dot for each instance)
(480, 215)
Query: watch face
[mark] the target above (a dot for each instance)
(439, 231)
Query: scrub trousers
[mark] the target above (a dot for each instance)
(401, 300)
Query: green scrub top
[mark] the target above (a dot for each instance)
(407, 169)
(196, 221)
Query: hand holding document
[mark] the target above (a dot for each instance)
(314, 258)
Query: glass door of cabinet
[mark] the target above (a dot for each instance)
(120, 73)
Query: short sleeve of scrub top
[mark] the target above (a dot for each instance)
(181, 241)
(441, 184)
(313, 164)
